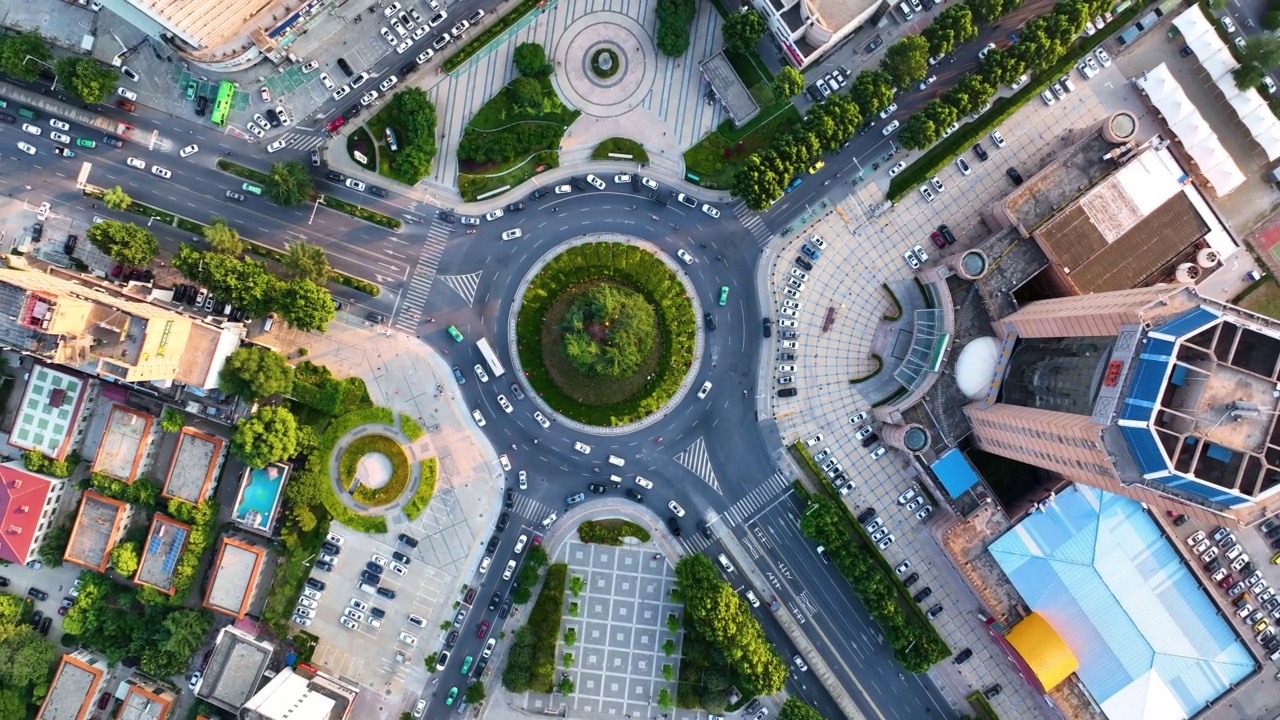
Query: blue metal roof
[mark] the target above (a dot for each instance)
(1149, 640)
(955, 472)
(1146, 451)
(1203, 489)
(1188, 323)
(1148, 380)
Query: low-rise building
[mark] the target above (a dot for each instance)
(235, 669)
(27, 505)
(71, 694)
(196, 459)
(126, 437)
(49, 417)
(234, 576)
(165, 543)
(95, 531)
(145, 699)
(305, 693)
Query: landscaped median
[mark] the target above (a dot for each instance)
(610, 531)
(498, 26)
(347, 208)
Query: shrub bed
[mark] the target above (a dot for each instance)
(610, 532)
(531, 664)
(387, 447)
(472, 187)
(639, 270)
(597, 63)
(346, 208)
(620, 146)
(410, 427)
(426, 488)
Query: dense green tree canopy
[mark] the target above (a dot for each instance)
(125, 557)
(269, 435)
(86, 78)
(788, 82)
(305, 261)
(609, 330)
(288, 182)
(531, 60)
(743, 30)
(223, 238)
(116, 199)
(305, 305)
(907, 61)
(253, 373)
(674, 18)
(124, 242)
(21, 55)
(418, 146)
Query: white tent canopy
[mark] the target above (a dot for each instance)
(1219, 63)
(1197, 138)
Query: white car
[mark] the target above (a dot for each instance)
(563, 189)
(885, 113)
(419, 33)
(997, 138)
(686, 257)
(307, 603)
(890, 128)
(488, 647)
(408, 639)
(710, 210)
(512, 234)
(60, 124)
(283, 114)
(404, 46)
(505, 462)
(59, 137)
(253, 128)
(347, 623)
(493, 214)
(277, 145)
(1103, 58)
(787, 323)
(983, 52)
(506, 406)
(359, 80)
(355, 184)
(788, 312)
(31, 129)
(520, 543)
(304, 612)
(1047, 97)
(485, 562)
(310, 67)
(789, 345)
(542, 419)
(963, 166)
(790, 369)
(799, 274)
(341, 92)
(706, 388)
(26, 148)
(399, 569)
(326, 81)
(622, 178)
(426, 55)
(582, 447)
(460, 28)
(911, 260)
(510, 570)
(368, 97)
(262, 122)
(479, 418)
(391, 9)
(792, 304)
(596, 182)
(647, 182)
(902, 164)
(126, 93)
(313, 594)
(523, 477)
(480, 373)
(386, 35)
(437, 18)
(644, 483)
(675, 508)
(380, 560)
(162, 172)
(189, 150)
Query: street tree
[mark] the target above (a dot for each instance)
(986, 12)
(269, 435)
(918, 132)
(86, 78)
(788, 82)
(55, 545)
(1001, 68)
(756, 183)
(525, 94)
(305, 261)
(22, 55)
(674, 17)
(254, 373)
(970, 93)
(795, 709)
(872, 90)
(288, 182)
(907, 60)
(116, 199)
(942, 39)
(531, 60)
(222, 238)
(475, 693)
(124, 558)
(28, 659)
(173, 420)
(305, 305)
(940, 113)
(246, 284)
(125, 243)
(743, 30)
(1260, 56)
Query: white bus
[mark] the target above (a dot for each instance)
(490, 357)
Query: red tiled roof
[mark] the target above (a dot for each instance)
(22, 497)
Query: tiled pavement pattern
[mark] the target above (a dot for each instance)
(861, 253)
(621, 627)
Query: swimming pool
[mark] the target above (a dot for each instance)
(260, 495)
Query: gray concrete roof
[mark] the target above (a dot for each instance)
(733, 93)
(234, 671)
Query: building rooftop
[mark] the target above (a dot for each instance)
(235, 669)
(233, 576)
(124, 443)
(1149, 641)
(22, 499)
(94, 532)
(291, 695)
(733, 94)
(206, 353)
(165, 542)
(71, 692)
(835, 14)
(195, 460)
(1063, 181)
(1013, 261)
(141, 703)
(48, 412)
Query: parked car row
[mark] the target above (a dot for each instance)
(200, 299)
(1227, 565)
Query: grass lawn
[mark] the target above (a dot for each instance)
(718, 156)
(388, 117)
(388, 448)
(499, 112)
(1264, 299)
(426, 488)
(473, 186)
(754, 75)
(621, 146)
(361, 141)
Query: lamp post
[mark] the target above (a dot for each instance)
(55, 75)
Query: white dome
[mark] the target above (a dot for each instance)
(976, 366)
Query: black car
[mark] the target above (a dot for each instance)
(539, 193)
(579, 183)
(870, 440)
(515, 390)
(380, 192)
(377, 612)
(317, 585)
(635, 495)
(480, 666)
(814, 93)
(1016, 177)
(911, 579)
(330, 548)
(36, 617)
(493, 545)
(373, 567)
(503, 521)
(1275, 544)
(962, 656)
(705, 529)
(505, 609)
(451, 640)
(947, 234)
(335, 176)
(45, 624)
(113, 141)
(768, 327)
(1186, 52)
(510, 501)
(273, 117)
(515, 207)
(371, 578)
(673, 525)
(323, 566)
(788, 392)
(408, 540)
(1272, 534)
(6, 117)
(1214, 566)
(597, 489)
(785, 357)
(875, 43)
(375, 318)
(980, 151)
(991, 692)
(920, 596)
(865, 516)
(345, 67)
(802, 262)
(495, 601)
(751, 707)
(202, 102)
(38, 594)
(69, 246)
(408, 68)
(710, 320)
(443, 216)
(351, 112)
(401, 557)
(386, 593)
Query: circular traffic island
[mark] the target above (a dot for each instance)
(606, 333)
(375, 469)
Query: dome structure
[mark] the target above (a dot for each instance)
(976, 366)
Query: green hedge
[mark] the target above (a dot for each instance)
(426, 488)
(410, 427)
(641, 271)
(324, 450)
(387, 447)
(801, 455)
(624, 146)
(896, 314)
(610, 532)
(544, 620)
(879, 361)
(490, 33)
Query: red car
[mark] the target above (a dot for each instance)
(537, 540)
(1227, 581)
(103, 699)
(336, 123)
(938, 241)
(483, 630)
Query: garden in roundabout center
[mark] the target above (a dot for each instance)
(606, 333)
(385, 469)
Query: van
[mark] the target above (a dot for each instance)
(724, 562)
(615, 460)
(905, 9)
(28, 113)
(367, 588)
(269, 322)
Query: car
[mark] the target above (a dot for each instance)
(934, 612)
(506, 405)
(1047, 97)
(368, 97)
(32, 129)
(675, 508)
(884, 114)
(1239, 42)
(542, 419)
(460, 28)
(468, 220)
(924, 512)
(478, 417)
(27, 148)
(706, 388)
(493, 214)
(986, 50)
(910, 257)
(649, 182)
(1014, 175)
(1058, 90)
(483, 629)
(355, 184)
(963, 166)
(899, 167)
(928, 193)
(562, 190)
(390, 38)
(60, 124)
(925, 83)
(582, 448)
(194, 680)
(1105, 60)
(709, 320)
(710, 210)
(997, 138)
(919, 252)
(596, 182)
(890, 128)
(687, 200)
(189, 150)
(162, 172)
(337, 95)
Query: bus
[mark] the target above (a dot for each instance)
(222, 106)
(490, 357)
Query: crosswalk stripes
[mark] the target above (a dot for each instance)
(695, 459)
(465, 285)
(527, 507)
(751, 221)
(756, 499)
(424, 274)
(302, 141)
